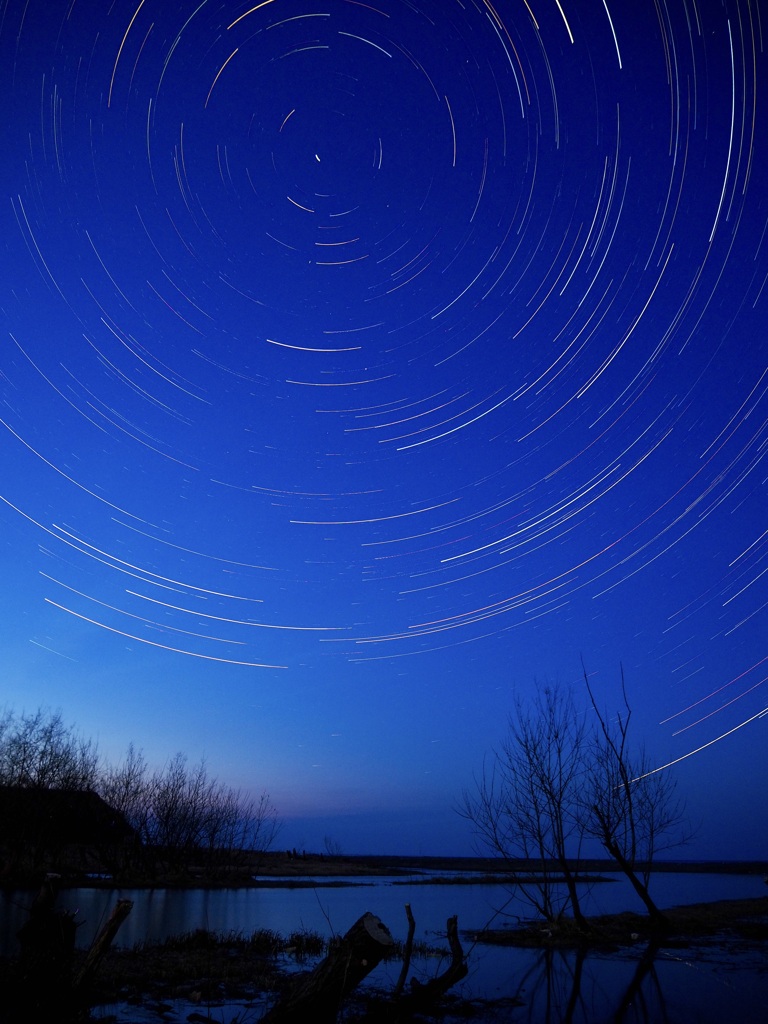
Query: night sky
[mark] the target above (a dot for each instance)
(367, 365)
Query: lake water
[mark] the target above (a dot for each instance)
(705, 985)
(158, 913)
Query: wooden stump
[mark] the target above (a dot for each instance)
(317, 996)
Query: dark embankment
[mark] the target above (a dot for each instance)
(726, 921)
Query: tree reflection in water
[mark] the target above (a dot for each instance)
(561, 989)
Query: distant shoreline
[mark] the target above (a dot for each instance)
(303, 870)
(588, 864)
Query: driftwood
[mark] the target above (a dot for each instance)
(318, 995)
(101, 944)
(424, 994)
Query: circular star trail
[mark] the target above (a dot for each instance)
(359, 332)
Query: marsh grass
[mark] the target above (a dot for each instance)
(207, 967)
(262, 942)
(202, 966)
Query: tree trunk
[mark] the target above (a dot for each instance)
(642, 890)
(570, 882)
(318, 995)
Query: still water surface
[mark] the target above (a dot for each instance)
(705, 985)
(158, 913)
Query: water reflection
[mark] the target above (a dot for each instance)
(568, 987)
(636, 985)
(649, 985)
(158, 913)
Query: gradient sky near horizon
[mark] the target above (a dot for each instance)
(367, 365)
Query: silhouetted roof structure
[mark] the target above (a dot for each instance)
(65, 816)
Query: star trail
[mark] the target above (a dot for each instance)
(364, 366)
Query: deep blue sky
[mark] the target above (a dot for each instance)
(364, 366)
